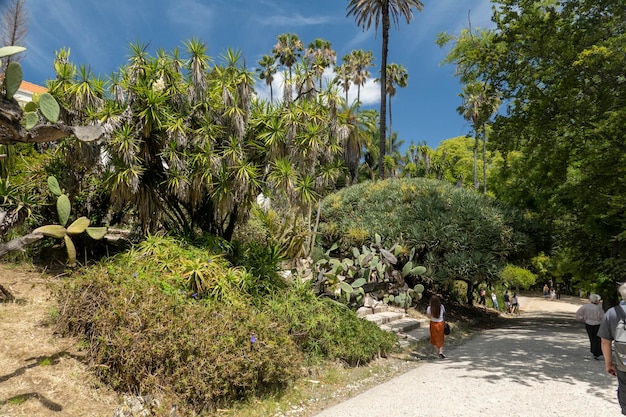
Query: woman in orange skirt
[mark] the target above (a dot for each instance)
(435, 312)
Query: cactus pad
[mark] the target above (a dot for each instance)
(30, 120)
(11, 50)
(12, 79)
(49, 107)
(79, 226)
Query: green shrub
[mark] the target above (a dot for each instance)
(323, 328)
(517, 277)
(175, 320)
(456, 233)
(147, 336)
(262, 262)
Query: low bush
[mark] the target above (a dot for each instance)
(323, 328)
(148, 328)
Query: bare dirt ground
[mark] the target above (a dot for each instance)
(41, 374)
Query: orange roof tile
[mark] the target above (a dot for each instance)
(33, 88)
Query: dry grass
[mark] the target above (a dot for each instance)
(40, 374)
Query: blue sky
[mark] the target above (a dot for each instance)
(99, 32)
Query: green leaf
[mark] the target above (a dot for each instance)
(13, 79)
(71, 251)
(97, 233)
(49, 107)
(11, 50)
(51, 230)
(53, 185)
(418, 270)
(345, 287)
(63, 209)
(359, 283)
(78, 226)
(30, 120)
(406, 269)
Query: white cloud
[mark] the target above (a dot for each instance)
(369, 94)
(190, 13)
(293, 20)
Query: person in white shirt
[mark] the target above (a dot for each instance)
(435, 312)
(592, 314)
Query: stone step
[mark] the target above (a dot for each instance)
(384, 317)
(404, 325)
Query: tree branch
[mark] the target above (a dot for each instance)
(11, 130)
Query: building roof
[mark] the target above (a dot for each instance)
(32, 88)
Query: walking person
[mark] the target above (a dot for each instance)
(435, 312)
(507, 302)
(592, 314)
(612, 328)
(514, 304)
(494, 300)
(482, 293)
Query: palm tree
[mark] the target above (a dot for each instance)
(397, 75)
(355, 128)
(360, 62)
(480, 101)
(322, 55)
(343, 77)
(267, 71)
(287, 50)
(382, 12)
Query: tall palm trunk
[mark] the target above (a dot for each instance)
(484, 160)
(476, 161)
(390, 127)
(383, 94)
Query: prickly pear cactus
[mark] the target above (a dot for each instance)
(12, 79)
(49, 107)
(59, 231)
(30, 120)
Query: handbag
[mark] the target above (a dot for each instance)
(446, 328)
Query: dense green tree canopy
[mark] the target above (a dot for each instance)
(559, 66)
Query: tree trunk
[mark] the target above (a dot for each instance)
(476, 160)
(11, 130)
(484, 160)
(470, 293)
(383, 94)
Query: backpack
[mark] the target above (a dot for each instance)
(619, 340)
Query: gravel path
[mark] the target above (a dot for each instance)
(538, 365)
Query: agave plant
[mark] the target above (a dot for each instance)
(59, 231)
